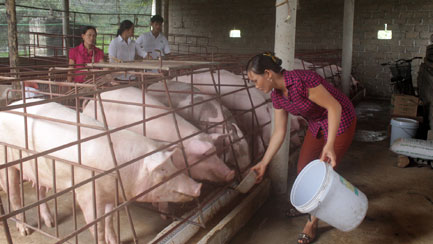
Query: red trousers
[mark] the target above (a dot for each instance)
(312, 146)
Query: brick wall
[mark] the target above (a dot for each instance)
(319, 26)
(215, 19)
(411, 25)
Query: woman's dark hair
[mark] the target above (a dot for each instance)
(86, 28)
(266, 60)
(157, 18)
(124, 25)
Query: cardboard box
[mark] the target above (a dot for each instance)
(404, 105)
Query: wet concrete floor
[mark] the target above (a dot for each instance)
(400, 199)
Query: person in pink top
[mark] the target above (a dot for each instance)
(330, 114)
(85, 53)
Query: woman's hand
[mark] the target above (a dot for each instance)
(260, 169)
(328, 155)
(31, 84)
(278, 135)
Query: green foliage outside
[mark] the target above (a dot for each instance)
(86, 14)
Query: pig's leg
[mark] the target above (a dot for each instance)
(15, 197)
(163, 208)
(45, 210)
(84, 199)
(110, 234)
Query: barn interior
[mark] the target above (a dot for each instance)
(77, 147)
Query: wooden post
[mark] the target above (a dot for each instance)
(285, 30)
(158, 6)
(166, 23)
(12, 39)
(65, 25)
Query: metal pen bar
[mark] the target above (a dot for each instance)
(5, 224)
(95, 226)
(38, 192)
(74, 202)
(113, 156)
(124, 204)
(55, 199)
(51, 157)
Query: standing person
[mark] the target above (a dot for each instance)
(85, 53)
(330, 114)
(154, 39)
(123, 48)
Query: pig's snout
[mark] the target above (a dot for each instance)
(230, 176)
(196, 192)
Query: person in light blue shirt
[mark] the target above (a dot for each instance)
(124, 49)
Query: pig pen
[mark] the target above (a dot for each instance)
(67, 220)
(326, 62)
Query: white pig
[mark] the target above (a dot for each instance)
(238, 101)
(204, 115)
(137, 177)
(330, 71)
(163, 128)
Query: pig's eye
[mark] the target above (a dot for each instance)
(164, 173)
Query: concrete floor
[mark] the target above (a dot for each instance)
(400, 199)
(147, 223)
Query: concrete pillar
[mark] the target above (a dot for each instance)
(349, 12)
(165, 16)
(11, 16)
(285, 30)
(65, 25)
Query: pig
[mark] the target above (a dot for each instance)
(330, 71)
(203, 115)
(238, 101)
(137, 177)
(163, 128)
(297, 127)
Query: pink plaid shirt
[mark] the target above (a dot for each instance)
(81, 56)
(297, 83)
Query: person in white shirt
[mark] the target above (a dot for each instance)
(154, 39)
(123, 48)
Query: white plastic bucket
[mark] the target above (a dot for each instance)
(323, 193)
(403, 128)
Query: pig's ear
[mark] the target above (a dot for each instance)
(160, 159)
(198, 146)
(236, 130)
(218, 141)
(218, 138)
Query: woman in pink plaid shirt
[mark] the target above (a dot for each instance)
(330, 114)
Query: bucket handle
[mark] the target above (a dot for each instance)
(328, 169)
(404, 129)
